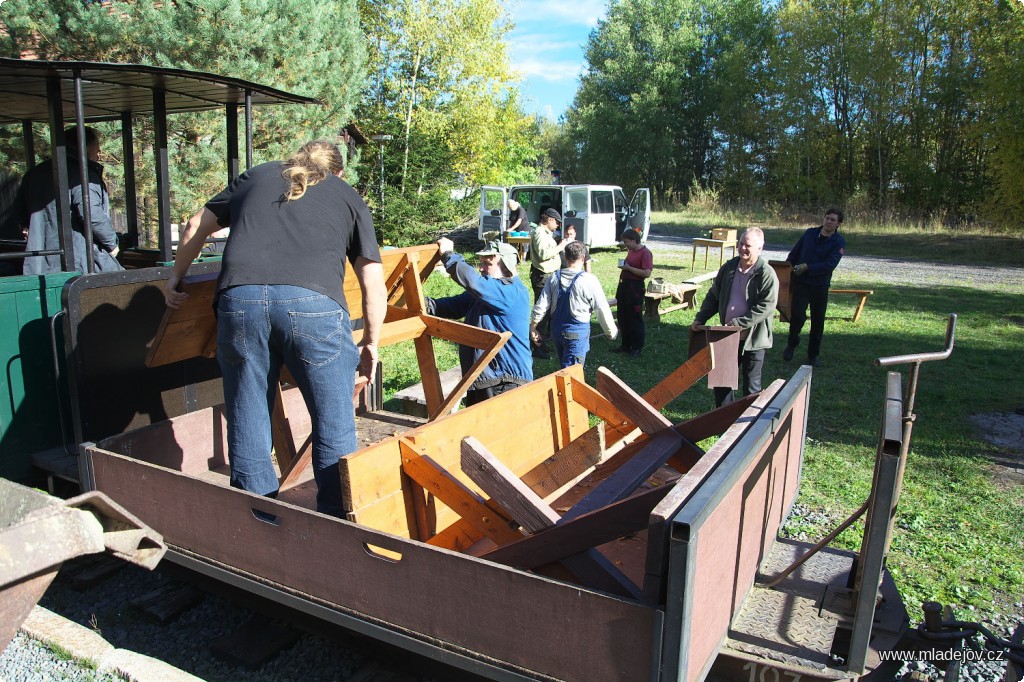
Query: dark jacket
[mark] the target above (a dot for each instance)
(497, 304)
(821, 255)
(762, 295)
(37, 208)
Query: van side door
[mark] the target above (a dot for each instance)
(493, 211)
(640, 213)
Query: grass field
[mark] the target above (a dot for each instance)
(960, 530)
(934, 244)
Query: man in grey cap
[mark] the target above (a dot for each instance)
(495, 299)
(545, 258)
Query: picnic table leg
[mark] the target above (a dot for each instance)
(693, 259)
(707, 252)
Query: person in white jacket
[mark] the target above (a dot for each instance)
(572, 296)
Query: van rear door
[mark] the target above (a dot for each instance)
(493, 211)
(640, 212)
(576, 200)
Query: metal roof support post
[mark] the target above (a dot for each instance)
(231, 111)
(83, 173)
(30, 144)
(248, 129)
(163, 190)
(62, 196)
(128, 153)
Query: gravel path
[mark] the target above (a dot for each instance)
(885, 270)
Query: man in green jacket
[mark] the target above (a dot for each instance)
(744, 294)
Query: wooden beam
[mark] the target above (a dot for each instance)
(595, 403)
(569, 463)
(685, 376)
(576, 535)
(533, 514)
(470, 506)
(630, 476)
(458, 537)
(637, 410)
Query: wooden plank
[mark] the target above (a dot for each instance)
(458, 537)
(631, 475)
(372, 481)
(281, 433)
(186, 332)
(505, 488)
(456, 496)
(726, 342)
(396, 332)
(619, 425)
(637, 410)
(533, 514)
(576, 535)
(713, 423)
(567, 464)
(686, 375)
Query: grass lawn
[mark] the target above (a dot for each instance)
(928, 244)
(959, 534)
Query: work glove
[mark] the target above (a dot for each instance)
(799, 269)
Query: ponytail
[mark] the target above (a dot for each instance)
(311, 164)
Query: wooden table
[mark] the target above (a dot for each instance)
(652, 302)
(522, 244)
(709, 244)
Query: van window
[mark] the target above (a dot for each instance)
(576, 200)
(492, 199)
(601, 201)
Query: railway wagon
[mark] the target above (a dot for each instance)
(560, 531)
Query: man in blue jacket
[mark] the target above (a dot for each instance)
(814, 257)
(495, 299)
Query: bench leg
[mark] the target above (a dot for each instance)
(652, 310)
(860, 307)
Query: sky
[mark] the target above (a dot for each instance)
(546, 48)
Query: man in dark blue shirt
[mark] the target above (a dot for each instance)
(814, 257)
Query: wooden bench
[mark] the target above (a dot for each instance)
(863, 298)
(413, 401)
(685, 299)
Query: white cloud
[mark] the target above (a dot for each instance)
(552, 71)
(580, 12)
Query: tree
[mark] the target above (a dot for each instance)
(310, 47)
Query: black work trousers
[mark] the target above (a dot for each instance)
(817, 299)
(751, 364)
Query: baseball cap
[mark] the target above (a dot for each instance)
(507, 253)
(552, 213)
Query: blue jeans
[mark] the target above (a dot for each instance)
(259, 328)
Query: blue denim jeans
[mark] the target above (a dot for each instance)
(259, 328)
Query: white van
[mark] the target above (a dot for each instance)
(599, 212)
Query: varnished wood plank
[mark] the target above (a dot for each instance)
(636, 409)
(597, 404)
(684, 376)
(576, 535)
(630, 476)
(456, 496)
(568, 463)
(497, 480)
(533, 514)
(726, 343)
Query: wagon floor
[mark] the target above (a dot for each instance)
(371, 427)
